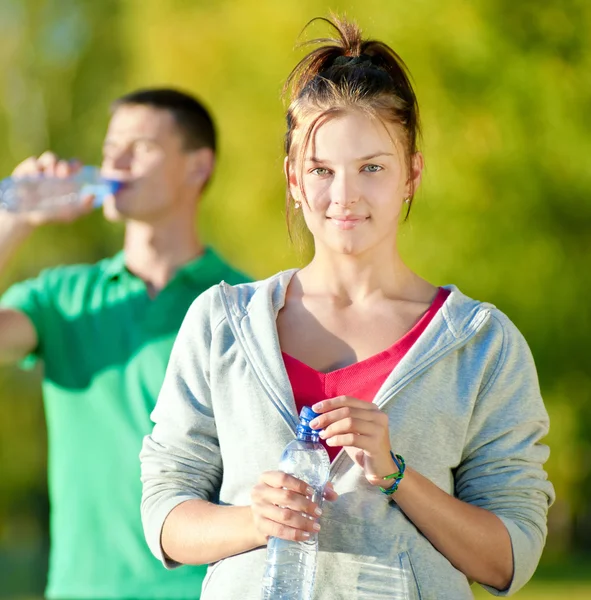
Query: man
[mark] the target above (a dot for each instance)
(104, 333)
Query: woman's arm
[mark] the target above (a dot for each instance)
(494, 529)
(200, 532)
(182, 467)
(501, 468)
(473, 539)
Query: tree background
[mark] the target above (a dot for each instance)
(504, 211)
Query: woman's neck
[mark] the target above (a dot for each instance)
(352, 279)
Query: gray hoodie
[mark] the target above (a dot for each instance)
(464, 410)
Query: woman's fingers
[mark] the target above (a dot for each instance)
(344, 407)
(278, 479)
(361, 442)
(329, 492)
(350, 425)
(346, 412)
(283, 506)
(271, 528)
(287, 499)
(361, 428)
(285, 523)
(340, 401)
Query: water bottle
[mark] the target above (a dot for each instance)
(45, 193)
(291, 566)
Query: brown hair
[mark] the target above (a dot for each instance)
(193, 120)
(346, 72)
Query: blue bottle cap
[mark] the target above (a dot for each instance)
(113, 184)
(306, 415)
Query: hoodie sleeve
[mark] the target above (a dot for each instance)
(502, 463)
(180, 459)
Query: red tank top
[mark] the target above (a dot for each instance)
(360, 380)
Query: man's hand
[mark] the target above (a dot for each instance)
(50, 165)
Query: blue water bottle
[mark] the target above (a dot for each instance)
(291, 566)
(46, 193)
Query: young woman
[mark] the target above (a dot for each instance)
(419, 383)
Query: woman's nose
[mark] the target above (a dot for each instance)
(343, 191)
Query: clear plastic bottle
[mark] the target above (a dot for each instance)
(46, 193)
(291, 566)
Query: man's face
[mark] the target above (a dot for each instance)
(144, 149)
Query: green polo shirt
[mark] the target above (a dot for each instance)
(105, 346)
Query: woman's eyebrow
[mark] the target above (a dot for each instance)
(315, 159)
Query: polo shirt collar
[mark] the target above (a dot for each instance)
(209, 262)
(115, 266)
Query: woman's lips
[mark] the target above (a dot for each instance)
(347, 222)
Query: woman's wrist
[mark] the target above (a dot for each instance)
(388, 484)
(381, 479)
(257, 539)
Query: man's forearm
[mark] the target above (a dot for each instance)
(13, 233)
(18, 336)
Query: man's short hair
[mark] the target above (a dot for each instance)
(191, 117)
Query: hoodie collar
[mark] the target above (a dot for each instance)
(252, 311)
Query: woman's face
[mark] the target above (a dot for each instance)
(355, 180)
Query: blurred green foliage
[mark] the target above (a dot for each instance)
(504, 210)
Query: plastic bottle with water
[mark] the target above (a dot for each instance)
(291, 566)
(40, 192)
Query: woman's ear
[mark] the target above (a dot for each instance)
(417, 165)
(291, 180)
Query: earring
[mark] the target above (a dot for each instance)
(297, 205)
(407, 200)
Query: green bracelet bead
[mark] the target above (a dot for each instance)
(397, 477)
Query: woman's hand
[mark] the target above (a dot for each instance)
(362, 428)
(282, 507)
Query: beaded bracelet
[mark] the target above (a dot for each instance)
(397, 477)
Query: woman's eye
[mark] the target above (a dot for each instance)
(372, 168)
(320, 171)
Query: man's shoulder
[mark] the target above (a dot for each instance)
(62, 289)
(76, 274)
(66, 287)
(233, 276)
(216, 268)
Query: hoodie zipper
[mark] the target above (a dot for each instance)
(287, 416)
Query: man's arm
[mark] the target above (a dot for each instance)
(18, 336)
(17, 333)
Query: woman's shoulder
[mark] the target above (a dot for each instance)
(497, 334)
(464, 310)
(214, 302)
